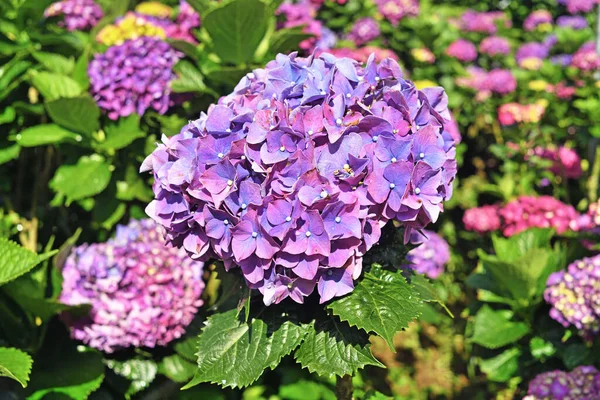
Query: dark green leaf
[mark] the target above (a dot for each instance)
(383, 303)
(492, 329)
(333, 347)
(88, 177)
(233, 353)
(287, 40)
(79, 114)
(15, 364)
(177, 368)
(40, 135)
(503, 366)
(236, 29)
(140, 372)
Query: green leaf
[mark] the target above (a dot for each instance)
(80, 74)
(87, 178)
(55, 62)
(55, 86)
(333, 347)
(189, 78)
(177, 368)
(306, 390)
(234, 354)
(7, 115)
(121, 133)
(16, 260)
(140, 372)
(383, 302)
(427, 292)
(9, 153)
(79, 114)
(541, 349)
(41, 135)
(503, 366)
(577, 354)
(15, 364)
(286, 40)
(236, 29)
(511, 249)
(493, 330)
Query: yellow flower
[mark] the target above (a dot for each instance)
(545, 27)
(538, 85)
(130, 27)
(542, 103)
(425, 83)
(598, 84)
(531, 63)
(154, 8)
(423, 55)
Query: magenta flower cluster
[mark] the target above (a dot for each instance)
(494, 46)
(431, 256)
(364, 30)
(576, 6)
(565, 161)
(462, 50)
(303, 14)
(482, 219)
(586, 58)
(482, 22)
(77, 15)
(500, 81)
(583, 383)
(396, 10)
(537, 18)
(142, 293)
(532, 54)
(574, 296)
(133, 77)
(292, 176)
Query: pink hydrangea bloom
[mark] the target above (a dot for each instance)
(462, 50)
(494, 45)
(482, 219)
(537, 18)
(566, 161)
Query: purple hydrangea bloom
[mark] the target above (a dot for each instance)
(142, 293)
(583, 383)
(577, 6)
(462, 50)
(483, 22)
(134, 76)
(576, 22)
(537, 18)
(574, 297)
(562, 59)
(364, 30)
(292, 176)
(431, 256)
(494, 45)
(531, 55)
(395, 10)
(77, 14)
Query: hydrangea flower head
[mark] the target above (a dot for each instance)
(500, 81)
(537, 212)
(515, 113)
(423, 55)
(586, 58)
(494, 46)
(142, 293)
(482, 219)
(395, 10)
(431, 256)
(292, 176)
(576, 22)
(482, 22)
(130, 26)
(573, 295)
(77, 15)
(583, 383)
(579, 6)
(538, 19)
(154, 8)
(303, 14)
(132, 77)
(566, 161)
(364, 30)
(362, 54)
(531, 55)
(462, 50)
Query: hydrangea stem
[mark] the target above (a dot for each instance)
(594, 177)
(343, 387)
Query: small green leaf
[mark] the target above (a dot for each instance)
(55, 62)
(306, 390)
(233, 353)
(286, 40)
(87, 178)
(7, 115)
(40, 135)
(16, 260)
(15, 364)
(55, 86)
(236, 29)
(9, 153)
(493, 330)
(121, 133)
(503, 366)
(140, 372)
(333, 347)
(383, 302)
(541, 349)
(177, 368)
(79, 114)
(189, 78)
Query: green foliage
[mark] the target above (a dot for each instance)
(79, 114)
(15, 364)
(121, 133)
(234, 353)
(383, 303)
(55, 86)
(88, 177)
(140, 373)
(306, 390)
(503, 366)
(494, 329)
(236, 29)
(189, 78)
(55, 62)
(40, 135)
(177, 368)
(333, 348)
(16, 260)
